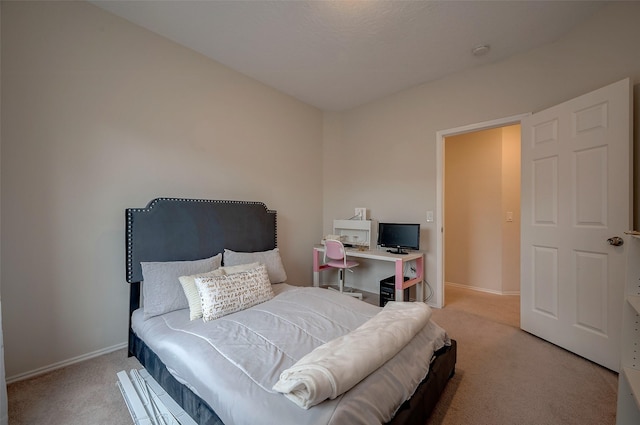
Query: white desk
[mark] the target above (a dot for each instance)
(380, 255)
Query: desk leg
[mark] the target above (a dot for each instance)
(420, 274)
(316, 268)
(399, 280)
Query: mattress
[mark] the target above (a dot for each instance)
(233, 362)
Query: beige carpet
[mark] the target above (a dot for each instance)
(507, 376)
(503, 376)
(82, 394)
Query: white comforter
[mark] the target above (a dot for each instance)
(337, 366)
(233, 362)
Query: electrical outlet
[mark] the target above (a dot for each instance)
(411, 272)
(361, 213)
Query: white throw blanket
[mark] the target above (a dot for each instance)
(335, 367)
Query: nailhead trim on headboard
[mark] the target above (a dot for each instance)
(150, 206)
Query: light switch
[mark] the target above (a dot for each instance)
(509, 216)
(429, 216)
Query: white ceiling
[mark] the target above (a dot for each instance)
(337, 55)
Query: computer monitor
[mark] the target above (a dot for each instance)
(400, 236)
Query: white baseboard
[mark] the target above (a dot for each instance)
(476, 288)
(59, 365)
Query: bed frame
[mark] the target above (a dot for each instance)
(174, 229)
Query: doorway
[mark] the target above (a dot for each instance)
(478, 234)
(482, 210)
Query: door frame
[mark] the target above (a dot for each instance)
(440, 137)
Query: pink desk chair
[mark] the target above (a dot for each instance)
(334, 256)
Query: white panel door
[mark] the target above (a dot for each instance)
(576, 194)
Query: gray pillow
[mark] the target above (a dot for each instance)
(161, 288)
(271, 259)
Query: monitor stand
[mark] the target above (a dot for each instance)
(397, 251)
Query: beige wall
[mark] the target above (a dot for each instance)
(482, 185)
(99, 115)
(4, 416)
(400, 130)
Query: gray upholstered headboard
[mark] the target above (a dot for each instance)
(173, 229)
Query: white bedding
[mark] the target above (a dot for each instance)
(233, 362)
(337, 366)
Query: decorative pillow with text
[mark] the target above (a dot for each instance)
(226, 294)
(191, 291)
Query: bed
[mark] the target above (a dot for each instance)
(174, 349)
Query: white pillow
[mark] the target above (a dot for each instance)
(238, 268)
(191, 292)
(226, 294)
(271, 259)
(161, 288)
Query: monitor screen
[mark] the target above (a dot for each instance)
(399, 236)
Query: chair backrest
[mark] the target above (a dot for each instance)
(333, 250)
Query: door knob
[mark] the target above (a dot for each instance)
(615, 241)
